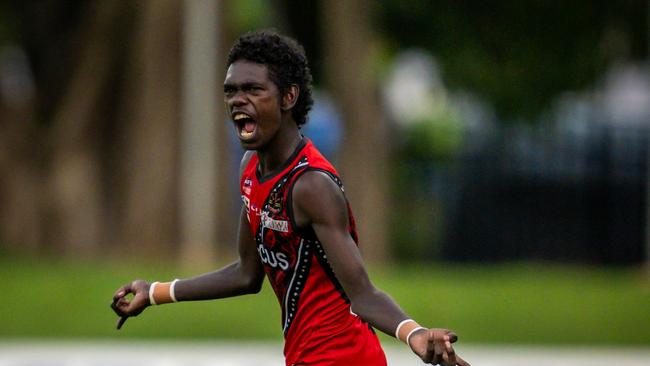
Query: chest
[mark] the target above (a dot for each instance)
(268, 210)
(266, 204)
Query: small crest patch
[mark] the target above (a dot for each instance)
(275, 203)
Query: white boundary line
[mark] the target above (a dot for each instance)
(210, 353)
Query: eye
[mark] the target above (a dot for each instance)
(253, 89)
(228, 91)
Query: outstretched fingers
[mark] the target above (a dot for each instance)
(449, 351)
(434, 350)
(450, 357)
(461, 362)
(440, 350)
(428, 355)
(452, 336)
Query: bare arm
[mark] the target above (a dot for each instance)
(318, 202)
(244, 276)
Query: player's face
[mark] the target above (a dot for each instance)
(253, 102)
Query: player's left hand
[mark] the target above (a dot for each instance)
(434, 346)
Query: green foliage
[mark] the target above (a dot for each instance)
(416, 231)
(415, 236)
(519, 55)
(417, 228)
(247, 15)
(7, 23)
(437, 138)
(497, 304)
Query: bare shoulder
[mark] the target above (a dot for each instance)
(316, 197)
(316, 184)
(244, 161)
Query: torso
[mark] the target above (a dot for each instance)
(316, 319)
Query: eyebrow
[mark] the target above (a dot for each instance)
(245, 84)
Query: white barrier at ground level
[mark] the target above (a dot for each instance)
(219, 353)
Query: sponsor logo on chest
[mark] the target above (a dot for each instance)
(272, 258)
(273, 224)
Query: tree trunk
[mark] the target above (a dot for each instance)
(149, 222)
(21, 183)
(74, 199)
(363, 160)
(199, 134)
(228, 200)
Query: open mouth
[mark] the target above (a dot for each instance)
(246, 125)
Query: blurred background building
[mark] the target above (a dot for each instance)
(464, 131)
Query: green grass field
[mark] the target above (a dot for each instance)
(516, 303)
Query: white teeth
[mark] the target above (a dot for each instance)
(239, 116)
(243, 134)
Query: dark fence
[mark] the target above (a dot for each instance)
(525, 193)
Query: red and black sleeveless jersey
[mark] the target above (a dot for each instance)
(316, 319)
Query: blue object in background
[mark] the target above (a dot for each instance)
(324, 126)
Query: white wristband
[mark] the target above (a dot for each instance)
(408, 337)
(400, 326)
(172, 290)
(151, 289)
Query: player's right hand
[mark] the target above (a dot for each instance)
(125, 307)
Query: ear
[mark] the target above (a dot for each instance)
(290, 97)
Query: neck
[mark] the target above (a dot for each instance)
(279, 150)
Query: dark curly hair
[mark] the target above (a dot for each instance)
(286, 62)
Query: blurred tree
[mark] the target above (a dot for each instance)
(348, 75)
(303, 20)
(519, 55)
(19, 141)
(34, 112)
(151, 109)
(74, 191)
(90, 159)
